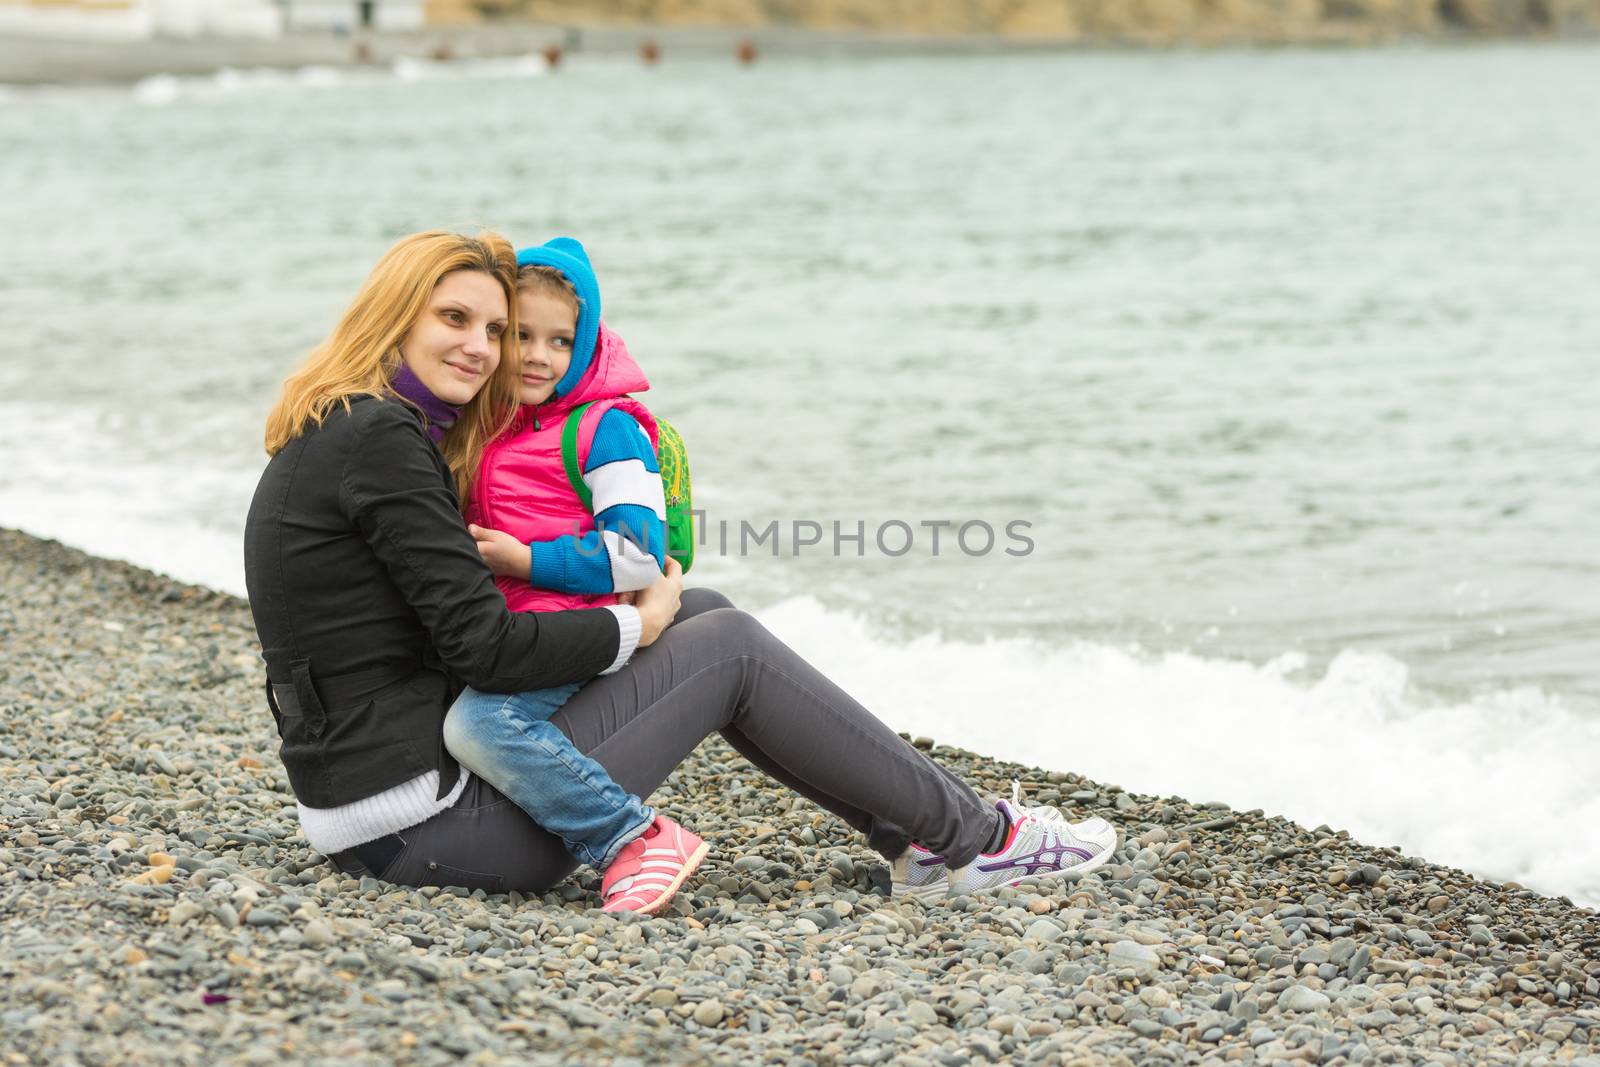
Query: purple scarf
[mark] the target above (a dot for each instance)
(436, 414)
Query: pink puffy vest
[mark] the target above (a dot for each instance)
(522, 486)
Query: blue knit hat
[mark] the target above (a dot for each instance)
(567, 256)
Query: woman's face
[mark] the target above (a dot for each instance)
(454, 346)
(546, 325)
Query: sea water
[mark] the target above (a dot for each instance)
(1270, 375)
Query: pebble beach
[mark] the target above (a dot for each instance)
(159, 904)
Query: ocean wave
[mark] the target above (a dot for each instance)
(159, 89)
(1500, 784)
(408, 68)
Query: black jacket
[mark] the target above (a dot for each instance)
(373, 607)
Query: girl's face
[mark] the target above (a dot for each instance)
(454, 346)
(546, 325)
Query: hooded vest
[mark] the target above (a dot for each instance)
(522, 487)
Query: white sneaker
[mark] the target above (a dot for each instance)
(918, 873)
(1038, 846)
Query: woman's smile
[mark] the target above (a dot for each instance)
(454, 345)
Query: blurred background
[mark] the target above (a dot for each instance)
(1274, 320)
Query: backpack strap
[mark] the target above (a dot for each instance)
(569, 455)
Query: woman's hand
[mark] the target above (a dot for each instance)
(506, 556)
(658, 605)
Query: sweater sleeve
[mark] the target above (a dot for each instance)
(627, 550)
(396, 490)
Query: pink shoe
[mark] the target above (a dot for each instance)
(651, 867)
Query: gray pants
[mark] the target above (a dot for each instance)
(715, 668)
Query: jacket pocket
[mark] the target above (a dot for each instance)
(355, 750)
(305, 757)
(336, 753)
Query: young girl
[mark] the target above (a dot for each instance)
(550, 552)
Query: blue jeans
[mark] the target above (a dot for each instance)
(509, 742)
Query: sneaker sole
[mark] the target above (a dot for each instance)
(667, 894)
(1081, 869)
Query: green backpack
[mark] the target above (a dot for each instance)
(673, 458)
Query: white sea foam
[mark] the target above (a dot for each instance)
(319, 77)
(1501, 785)
(238, 79)
(410, 69)
(125, 527)
(158, 89)
(167, 88)
(257, 79)
(64, 478)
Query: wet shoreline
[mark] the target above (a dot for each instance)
(40, 61)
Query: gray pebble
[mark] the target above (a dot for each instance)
(1140, 958)
(1299, 998)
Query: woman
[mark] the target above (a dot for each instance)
(373, 608)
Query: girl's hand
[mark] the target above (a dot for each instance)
(506, 556)
(628, 598)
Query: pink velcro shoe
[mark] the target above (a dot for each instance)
(651, 867)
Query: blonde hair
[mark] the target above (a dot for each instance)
(363, 352)
(539, 277)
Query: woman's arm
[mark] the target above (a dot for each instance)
(396, 489)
